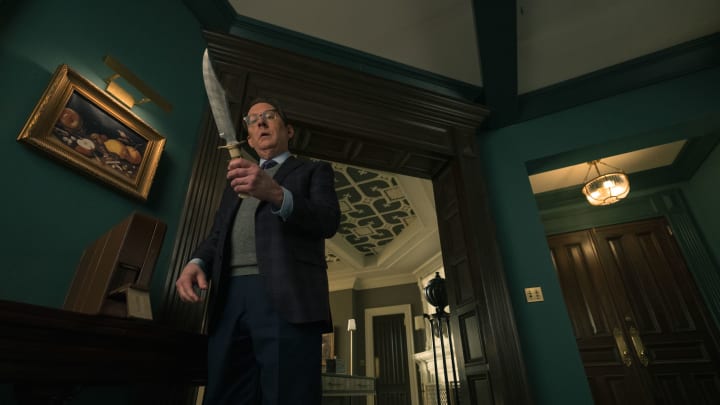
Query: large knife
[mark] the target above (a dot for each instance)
(221, 112)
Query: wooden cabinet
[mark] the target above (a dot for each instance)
(114, 273)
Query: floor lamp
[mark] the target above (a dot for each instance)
(351, 328)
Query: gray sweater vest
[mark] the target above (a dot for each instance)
(243, 260)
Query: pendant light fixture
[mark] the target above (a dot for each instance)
(605, 189)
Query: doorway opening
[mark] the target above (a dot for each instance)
(388, 337)
(351, 117)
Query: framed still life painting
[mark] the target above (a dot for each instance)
(84, 127)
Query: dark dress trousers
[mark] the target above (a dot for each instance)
(291, 261)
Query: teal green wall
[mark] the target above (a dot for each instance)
(50, 211)
(672, 110)
(703, 197)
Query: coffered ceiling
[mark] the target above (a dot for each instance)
(388, 233)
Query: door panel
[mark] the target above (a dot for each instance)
(663, 304)
(653, 300)
(635, 284)
(463, 279)
(590, 306)
(584, 286)
(391, 358)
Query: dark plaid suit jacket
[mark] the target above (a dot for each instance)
(290, 254)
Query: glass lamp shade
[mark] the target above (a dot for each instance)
(607, 189)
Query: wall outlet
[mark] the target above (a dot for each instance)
(534, 294)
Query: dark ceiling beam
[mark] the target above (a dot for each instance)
(689, 57)
(496, 32)
(213, 15)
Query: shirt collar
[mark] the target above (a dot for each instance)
(280, 159)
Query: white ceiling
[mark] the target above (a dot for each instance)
(436, 36)
(562, 39)
(557, 40)
(630, 162)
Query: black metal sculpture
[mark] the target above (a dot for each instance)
(436, 295)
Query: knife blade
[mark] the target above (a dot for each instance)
(221, 112)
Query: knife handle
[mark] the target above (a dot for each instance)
(236, 151)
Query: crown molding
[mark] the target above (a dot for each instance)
(272, 35)
(368, 283)
(339, 283)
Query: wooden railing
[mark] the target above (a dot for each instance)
(52, 351)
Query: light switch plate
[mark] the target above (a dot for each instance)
(534, 294)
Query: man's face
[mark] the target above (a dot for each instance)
(269, 137)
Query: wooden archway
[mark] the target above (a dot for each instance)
(355, 118)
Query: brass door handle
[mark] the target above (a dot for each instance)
(639, 346)
(622, 347)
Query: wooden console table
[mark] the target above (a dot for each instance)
(345, 386)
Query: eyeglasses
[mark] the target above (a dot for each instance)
(253, 119)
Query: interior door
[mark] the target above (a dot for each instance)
(642, 329)
(391, 360)
(602, 343)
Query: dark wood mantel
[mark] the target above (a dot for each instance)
(42, 346)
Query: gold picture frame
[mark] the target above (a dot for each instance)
(328, 347)
(84, 127)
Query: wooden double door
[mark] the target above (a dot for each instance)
(642, 329)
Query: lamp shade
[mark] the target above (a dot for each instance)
(351, 325)
(435, 292)
(607, 189)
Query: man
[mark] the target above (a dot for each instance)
(266, 257)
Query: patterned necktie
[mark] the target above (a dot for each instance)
(268, 164)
